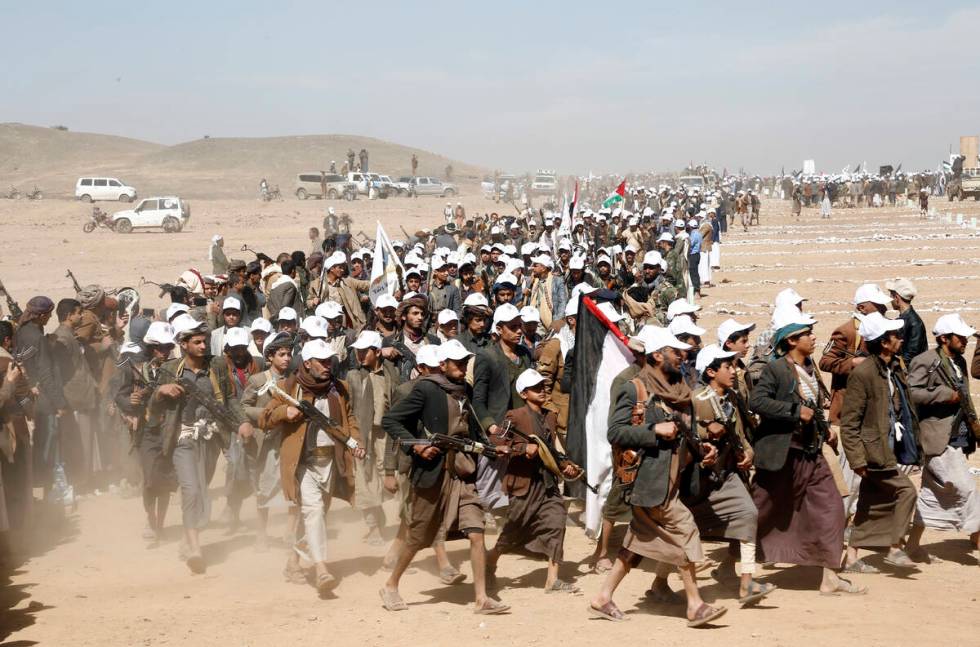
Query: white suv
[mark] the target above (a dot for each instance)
(168, 212)
(90, 189)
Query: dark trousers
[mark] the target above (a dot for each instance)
(692, 262)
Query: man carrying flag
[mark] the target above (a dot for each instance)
(616, 197)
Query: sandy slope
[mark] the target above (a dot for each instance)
(94, 583)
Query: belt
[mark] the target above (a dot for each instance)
(325, 451)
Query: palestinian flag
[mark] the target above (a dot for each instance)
(600, 354)
(616, 196)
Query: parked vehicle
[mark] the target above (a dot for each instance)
(168, 212)
(965, 186)
(309, 185)
(404, 185)
(35, 194)
(433, 186)
(544, 183)
(90, 189)
(271, 194)
(99, 218)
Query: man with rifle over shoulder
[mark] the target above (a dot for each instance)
(320, 438)
(195, 405)
(444, 493)
(948, 431)
(139, 375)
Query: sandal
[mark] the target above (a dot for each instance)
(491, 608)
(756, 593)
(561, 586)
(706, 614)
(392, 601)
(899, 559)
(294, 575)
(660, 596)
(601, 566)
(860, 567)
(846, 587)
(451, 575)
(608, 611)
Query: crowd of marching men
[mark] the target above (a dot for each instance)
(453, 381)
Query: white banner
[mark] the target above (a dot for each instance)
(385, 267)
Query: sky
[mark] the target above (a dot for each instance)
(572, 86)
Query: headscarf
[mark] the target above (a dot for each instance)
(193, 281)
(318, 387)
(91, 296)
(36, 307)
(417, 300)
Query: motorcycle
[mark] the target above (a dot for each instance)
(269, 195)
(12, 194)
(35, 194)
(99, 219)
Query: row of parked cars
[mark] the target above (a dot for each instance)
(333, 186)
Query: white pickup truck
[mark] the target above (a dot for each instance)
(169, 213)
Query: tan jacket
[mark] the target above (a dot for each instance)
(551, 365)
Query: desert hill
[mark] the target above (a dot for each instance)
(219, 167)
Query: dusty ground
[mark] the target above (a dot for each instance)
(92, 582)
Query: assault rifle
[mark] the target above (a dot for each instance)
(552, 459)
(74, 281)
(227, 423)
(15, 311)
(968, 413)
(311, 413)
(445, 442)
(821, 429)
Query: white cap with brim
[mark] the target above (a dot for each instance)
(261, 324)
(655, 338)
(527, 379)
(684, 325)
(871, 292)
(287, 314)
(789, 315)
(337, 258)
(329, 310)
(476, 300)
(453, 350)
(874, 325)
(789, 297)
(160, 333)
(729, 327)
(653, 258)
(186, 325)
(314, 326)
(576, 263)
(952, 324)
(231, 303)
(709, 355)
(681, 307)
(543, 260)
(504, 313)
(386, 301)
(665, 238)
(236, 337)
(317, 349)
(901, 287)
(447, 315)
(367, 339)
(428, 355)
(530, 314)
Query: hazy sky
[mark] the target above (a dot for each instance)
(518, 85)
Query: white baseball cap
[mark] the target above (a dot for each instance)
(438, 262)
(871, 292)
(529, 314)
(874, 325)
(902, 287)
(681, 307)
(665, 237)
(184, 324)
(337, 258)
(316, 349)
(653, 258)
(729, 327)
(428, 355)
(684, 325)
(328, 310)
(476, 300)
(789, 297)
(386, 301)
(175, 309)
(159, 333)
(506, 312)
(576, 263)
(367, 339)
(507, 277)
(527, 379)
(655, 338)
(952, 324)
(788, 315)
(447, 315)
(314, 326)
(287, 314)
(231, 303)
(543, 259)
(260, 324)
(708, 355)
(453, 350)
(236, 337)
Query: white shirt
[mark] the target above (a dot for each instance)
(323, 439)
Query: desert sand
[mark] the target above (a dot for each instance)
(92, 581)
